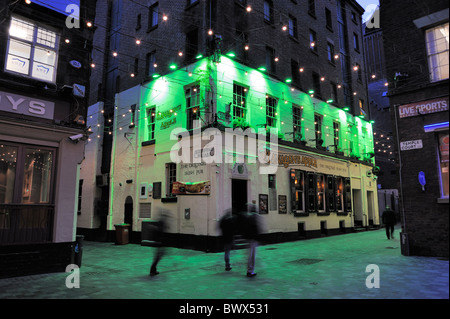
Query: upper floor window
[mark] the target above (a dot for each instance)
(153, 16)
(151, 122)
(437, 50)
(271, 111)
(192, 105)
(356, 42)
(239, 101)
(268, 11)
(32, 50)
(312, 7)
(293, 32)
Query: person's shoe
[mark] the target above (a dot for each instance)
(154, 273)
(251, 274)
(228, 268)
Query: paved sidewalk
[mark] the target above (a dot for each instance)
(322, 268)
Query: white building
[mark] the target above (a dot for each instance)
(323, 183)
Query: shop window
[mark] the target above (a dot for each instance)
(239, 101)
(192, 105)
(151, 122)
(32, 50)
(437, 42)
(347, 195)
(443, 163)
(30, 167)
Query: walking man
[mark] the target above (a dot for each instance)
(389, 221)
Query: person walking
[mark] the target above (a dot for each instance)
(226, 224)
(251, 229)
(159, 238)
(389, 220)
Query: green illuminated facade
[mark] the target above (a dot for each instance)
(323, 183)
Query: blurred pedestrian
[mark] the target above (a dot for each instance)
(389, 220)
(159, 237)
(251, 230)
(227, 227)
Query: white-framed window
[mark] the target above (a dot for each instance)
(271, 111)
(437, 50)
(297, 121)
(192, 105)
(32, 50)
(151, 122)
(239, 101)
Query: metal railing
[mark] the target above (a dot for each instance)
(24, 224)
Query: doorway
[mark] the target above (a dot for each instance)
(238, 193)
(370, 207)
(357, 208)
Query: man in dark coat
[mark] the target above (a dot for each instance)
(227, 225)
(389, 221)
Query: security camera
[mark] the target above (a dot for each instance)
(76, 137)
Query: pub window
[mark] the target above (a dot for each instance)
(443, 163)
(239, 101)
(192, 105)
(340, 194)
(171, 177)
(311, 189)
(271, 111)
(297, 190)
(32, 50)
(330, 194)
(320, 193)
(151, 116)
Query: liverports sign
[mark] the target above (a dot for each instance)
(25, 105)
(424, 107)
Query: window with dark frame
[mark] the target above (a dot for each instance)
(336, 132)
(316, 84)
(191, 45)
(295, 73)
(312, 7)
(297, 190)
(329, 20)
(318, 129)
(313, 40)
(150, 61)
(320, 192)
(153, 16)
(270, 59)
(297, 122)
(356, 42)
(268, 11)
(330, 51)
(293, 31)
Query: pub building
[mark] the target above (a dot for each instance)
(43, 70)
(317, 178)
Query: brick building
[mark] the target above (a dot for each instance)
(416, 45)
(44, 73)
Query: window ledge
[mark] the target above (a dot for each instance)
(442, 200)
(169, 200)
(147, 143)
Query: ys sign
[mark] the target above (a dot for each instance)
(26, 105)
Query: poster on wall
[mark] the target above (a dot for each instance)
(282, 204)
(196, 188)
(263, 203)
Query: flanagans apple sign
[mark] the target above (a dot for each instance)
(25, 105)
(424, 107)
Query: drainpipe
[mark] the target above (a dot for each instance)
(400, 169)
